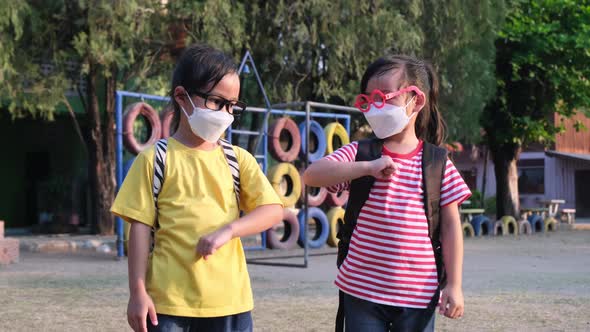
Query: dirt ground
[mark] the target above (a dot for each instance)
(537, 283)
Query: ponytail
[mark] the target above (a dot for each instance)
(432, 127)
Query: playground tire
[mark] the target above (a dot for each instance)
(550, 224)
(275, 176)
(482, 225)
(131, 114)
(166, 118)
(337, 199)
(510, 221)
(467, 230)
(321, 221)
(314, 200)
(499, 228)
(536, 222)
(335, 215)
(274, 140)
(333, 130)
(291, 235)
(315, 130)
(524, 227)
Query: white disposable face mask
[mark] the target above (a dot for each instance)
(208, 124)
(388, 120)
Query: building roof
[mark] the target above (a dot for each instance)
(577, 156)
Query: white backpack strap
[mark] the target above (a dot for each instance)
(234, 167)
(159, 167)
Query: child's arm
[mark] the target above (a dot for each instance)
(326, 173)
(452, 246)
(258, 220)
(140, 303)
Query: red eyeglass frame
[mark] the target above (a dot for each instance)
(370, 99)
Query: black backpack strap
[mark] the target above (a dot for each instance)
(160, 151)
(234, 167)
(434, 161)
(369, 149)
(159, 168)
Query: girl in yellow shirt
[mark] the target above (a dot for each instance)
(196, 278)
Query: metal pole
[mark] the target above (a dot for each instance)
(305, 204)
(293, 104)
(119, 121)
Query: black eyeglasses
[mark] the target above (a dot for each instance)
(217, 103)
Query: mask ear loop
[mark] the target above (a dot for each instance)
(190, 101)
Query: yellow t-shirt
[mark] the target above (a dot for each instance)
(196, 199)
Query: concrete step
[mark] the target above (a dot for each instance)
(68, 243)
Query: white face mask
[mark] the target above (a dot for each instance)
(388, 120)
(208, 124)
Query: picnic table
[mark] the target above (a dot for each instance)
(467, 214)
(552, 205)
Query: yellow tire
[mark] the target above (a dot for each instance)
(468, 230)
(335, 130)
(510, 225)
(550, 224)
(334, 215)
(286, 181)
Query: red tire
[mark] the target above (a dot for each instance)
(316, 196)
(131, 114)
(290, 235)
(284, 129)
(166, 118)
(337, 199)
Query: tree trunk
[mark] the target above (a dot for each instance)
(109, 156)
(507, 200)
(100, 161)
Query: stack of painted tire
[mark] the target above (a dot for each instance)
(287, 141)
(284, 144)
(325, 218)
(507, 225)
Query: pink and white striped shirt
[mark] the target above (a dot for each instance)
(390, 258)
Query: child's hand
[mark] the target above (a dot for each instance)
(209, 243)
(382, 168)
(452, 304)
(140, 305)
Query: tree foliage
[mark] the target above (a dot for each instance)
(542, 67)
(305, 50)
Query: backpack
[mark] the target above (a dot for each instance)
(160, 167)
(434, 161)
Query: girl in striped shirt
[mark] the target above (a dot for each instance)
(389, 277)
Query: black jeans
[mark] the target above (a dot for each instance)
(235, 323)
(366, 316)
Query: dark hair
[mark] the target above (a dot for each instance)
(199, 69)
(430, 125)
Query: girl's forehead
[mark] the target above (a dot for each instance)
(228, 87)
(389, 81)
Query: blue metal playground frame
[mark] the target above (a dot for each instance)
(120, 95)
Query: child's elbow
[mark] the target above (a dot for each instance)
(309, 177)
